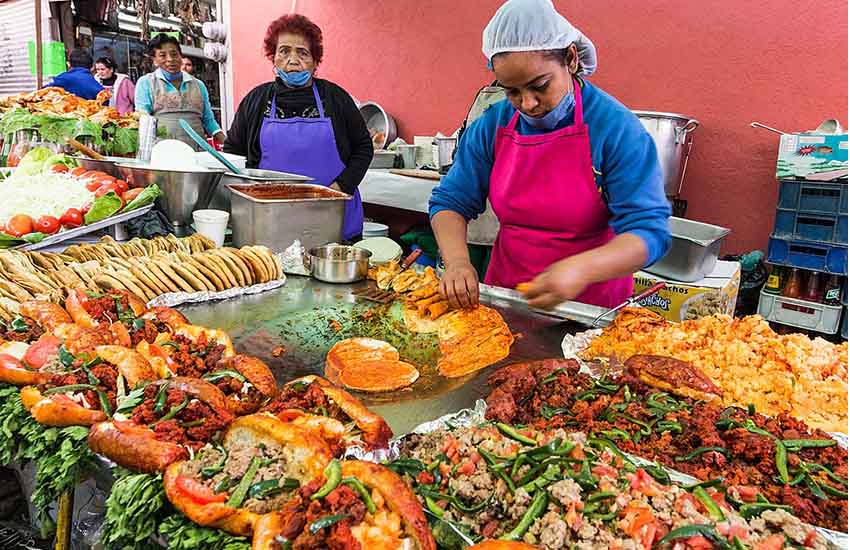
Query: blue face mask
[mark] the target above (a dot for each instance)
(553, 117)
(297, 79)
(171, 76)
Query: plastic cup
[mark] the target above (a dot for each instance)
(211, 224)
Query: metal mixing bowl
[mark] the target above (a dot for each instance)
(336, 263)
(183, 192)
(107, 165)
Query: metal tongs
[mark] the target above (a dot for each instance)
(630, 302)
(374, 294)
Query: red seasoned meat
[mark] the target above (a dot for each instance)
(32, 333)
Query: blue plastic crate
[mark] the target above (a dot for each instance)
(808, 226)
(827, 198)
(824, 257)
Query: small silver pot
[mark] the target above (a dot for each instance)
(336, 263)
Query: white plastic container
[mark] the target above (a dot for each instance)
(800, 313)
(211, 224)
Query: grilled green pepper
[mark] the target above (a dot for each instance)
(333, 476)
(535, 510)
(238, 496)
(513, 433)
(714, 511)
(361, 490)
(325, 522)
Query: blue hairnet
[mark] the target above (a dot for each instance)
(532, 25)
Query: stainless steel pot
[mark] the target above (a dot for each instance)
(671, 133)
(107, 165)
(379, 120)
(183, 192)
(336, 263)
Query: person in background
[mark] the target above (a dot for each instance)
(78, 79)
(170, 94)
(122, 88)
(187, 65)
(301, 124)
(572, 175)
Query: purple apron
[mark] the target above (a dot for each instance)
(307, 146)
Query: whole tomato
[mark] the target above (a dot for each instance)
(19, 225)
(121, 187)
(71, 218)
(47, 224)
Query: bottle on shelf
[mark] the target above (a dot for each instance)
(832, 291)
(774, 280)
(793, 286)
(812, 292)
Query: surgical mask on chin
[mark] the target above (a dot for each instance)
(551, 119)
(171, 76)
(295, 79)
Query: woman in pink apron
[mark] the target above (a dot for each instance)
(570, 173)
(301, 124)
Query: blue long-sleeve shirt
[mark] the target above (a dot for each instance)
(78, 81)
(624, 160)
(144, 97)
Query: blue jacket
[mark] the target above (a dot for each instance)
(623, 155)
(78, 81)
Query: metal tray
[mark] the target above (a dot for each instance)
(86, 229)
(694, 252)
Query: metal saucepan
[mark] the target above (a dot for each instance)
(336, 263)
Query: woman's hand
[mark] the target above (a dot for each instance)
(562, 281)
(219, 137)
(459, 284)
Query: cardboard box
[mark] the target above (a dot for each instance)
(816, 157)
(716, 293)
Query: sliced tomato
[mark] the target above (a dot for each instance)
(58, 169)
(18, 225)
(748, 493)
(121, 187)
(104, 189)
(78, 171)
(47, 224)
(287, 415)
(468, 468)
(131, 194)
(699, 543)
(71, 218)
(92, 185)
(41, 350)
(197, 491)
(647, 536)
(643, 482)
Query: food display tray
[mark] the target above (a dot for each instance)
(86, 229)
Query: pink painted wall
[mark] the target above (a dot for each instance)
(725, 63)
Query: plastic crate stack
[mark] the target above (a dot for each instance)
(810, 234)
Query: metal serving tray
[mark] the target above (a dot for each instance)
(694, 252)
(86, 229)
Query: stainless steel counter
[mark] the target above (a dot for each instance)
(307, 317)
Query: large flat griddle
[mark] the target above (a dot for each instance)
(307, 317)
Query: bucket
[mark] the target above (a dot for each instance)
(372, 229)
(671, 134)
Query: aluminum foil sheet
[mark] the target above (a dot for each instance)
(292, 259)
(173, 299)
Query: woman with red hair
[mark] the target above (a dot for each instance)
(302, 124)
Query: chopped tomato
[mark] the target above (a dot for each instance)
(197, 491)
(748, 493)
(468, 468)
(699, 543)
(643, 482)
(71, 218)
(131, 194)
(647, 536)
(773, 542)
(475, 458)
(811, 537)
(19, 225)
(634, 519)
(58, 169)
(78, 171)
(425, 478)
(47, 224)
(604, 471)
(41, 350)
